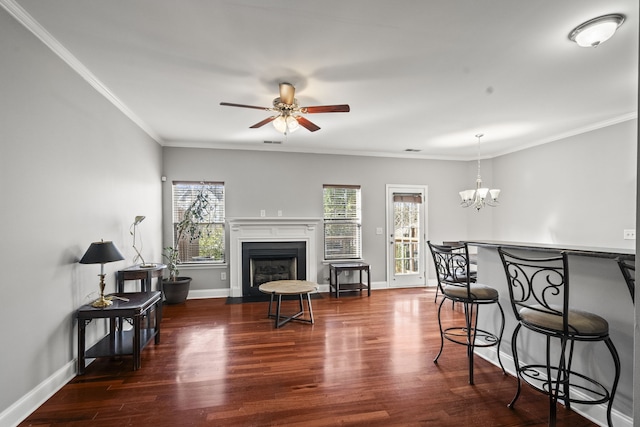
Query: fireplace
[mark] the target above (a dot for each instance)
(274, 234)
(268, 261)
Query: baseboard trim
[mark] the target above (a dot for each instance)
(27, 404)
(208, 293)
(226, 292)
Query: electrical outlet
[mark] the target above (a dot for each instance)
(279, 213)
(223, 276)
(263, 212)
(629, 234)
(379, 230)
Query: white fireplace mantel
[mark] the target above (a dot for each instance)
(276, 229)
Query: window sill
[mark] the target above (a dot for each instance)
(335, 261)
(202, 265)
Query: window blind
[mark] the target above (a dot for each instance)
(407, 197)
(342, 222)
(211, 244)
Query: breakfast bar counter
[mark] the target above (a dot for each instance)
(597, 286)
(589, 251)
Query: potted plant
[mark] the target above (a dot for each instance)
(188, 229)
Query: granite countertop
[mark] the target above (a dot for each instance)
(569, 249)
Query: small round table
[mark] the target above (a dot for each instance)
(289, 287)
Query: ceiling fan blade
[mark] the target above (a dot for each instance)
(229, 104)
(307, 124)
(262, 123)
(287, 93)
(342, 108)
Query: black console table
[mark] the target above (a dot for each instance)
(144, 274)
(135, 306)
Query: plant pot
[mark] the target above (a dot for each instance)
(176, 291)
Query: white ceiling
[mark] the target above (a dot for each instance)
(424, 75)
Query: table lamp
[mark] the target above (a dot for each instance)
(132, 230)
(101, 253)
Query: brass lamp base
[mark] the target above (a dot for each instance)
(101, 302)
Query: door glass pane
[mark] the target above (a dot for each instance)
(406, 214)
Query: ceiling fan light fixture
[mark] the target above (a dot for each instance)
(292, 124)
(597, 30)
(280, 124)
(286, 124)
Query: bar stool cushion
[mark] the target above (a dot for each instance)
(476, 291)
(580, 322)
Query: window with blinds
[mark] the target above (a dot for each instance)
(342, 222)
(209, 246)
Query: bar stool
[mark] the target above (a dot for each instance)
(628, 269)
(456, 284)
(539, 294)
(472, 273)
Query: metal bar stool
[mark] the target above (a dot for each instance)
(628, 268)
(456, 284)
(539, 294)
(472, 273)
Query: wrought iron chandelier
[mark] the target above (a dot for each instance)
(477, 198)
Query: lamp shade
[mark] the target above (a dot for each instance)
(292, 124)
(101, 253)
(280, 123)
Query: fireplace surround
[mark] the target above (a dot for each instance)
(278, 231)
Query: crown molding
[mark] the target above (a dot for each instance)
(402, 155)
(23, 17)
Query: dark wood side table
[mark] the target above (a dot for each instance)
(145, 275)
(334, 277)
(118, 341)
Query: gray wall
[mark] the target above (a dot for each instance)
(578, 191)
(73, 170)
(292, 183)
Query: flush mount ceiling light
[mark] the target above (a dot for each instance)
(597, 30)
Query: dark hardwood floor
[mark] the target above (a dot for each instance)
(366, 361)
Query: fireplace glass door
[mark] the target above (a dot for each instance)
(270, 261)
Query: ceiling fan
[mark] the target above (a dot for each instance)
(288, 118)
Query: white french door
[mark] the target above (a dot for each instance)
(406, 233)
